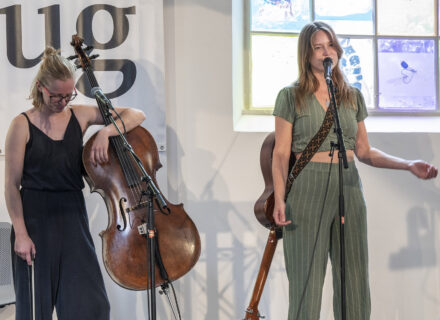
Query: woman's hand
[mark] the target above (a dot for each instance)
(422, 169)
(24, 248)
(99, 152)
(279, 214)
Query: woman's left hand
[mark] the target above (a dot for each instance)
(99, 152)
(422, 169)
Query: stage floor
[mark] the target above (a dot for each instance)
(8, 313)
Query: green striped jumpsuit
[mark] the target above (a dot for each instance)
(303, 207)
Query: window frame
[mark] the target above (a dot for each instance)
(375, 37)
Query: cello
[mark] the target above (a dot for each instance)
(119, 182)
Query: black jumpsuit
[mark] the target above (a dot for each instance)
(67, 273)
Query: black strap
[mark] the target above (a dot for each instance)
(310, 150)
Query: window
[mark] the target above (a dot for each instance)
(390, 50)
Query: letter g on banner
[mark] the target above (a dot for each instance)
(120, 33)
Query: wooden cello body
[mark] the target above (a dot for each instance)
(124, 250)
(120, 183)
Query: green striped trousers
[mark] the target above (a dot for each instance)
(303, 206)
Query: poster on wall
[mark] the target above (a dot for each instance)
(127, 36)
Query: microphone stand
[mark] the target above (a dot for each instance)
(147, 229)
(342, 160)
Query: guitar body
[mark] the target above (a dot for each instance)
(263, 208)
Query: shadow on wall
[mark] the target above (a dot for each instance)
(412, 275)
(220, 285)
(420, 251)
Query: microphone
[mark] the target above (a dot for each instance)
(328, 69)
(100, 96)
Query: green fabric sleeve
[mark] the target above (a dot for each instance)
(284, 105)
(362, 112)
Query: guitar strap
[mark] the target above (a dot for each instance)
(311, 148)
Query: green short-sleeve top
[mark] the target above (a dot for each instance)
(307, 122)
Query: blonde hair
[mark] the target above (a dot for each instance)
(307, 83)
(53, 67)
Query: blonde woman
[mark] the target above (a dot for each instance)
(44, 197)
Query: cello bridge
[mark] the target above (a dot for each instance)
(140, 205)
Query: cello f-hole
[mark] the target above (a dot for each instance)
(122, 211)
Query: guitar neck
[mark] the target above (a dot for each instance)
(252, 312)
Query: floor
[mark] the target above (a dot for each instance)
(8, 313)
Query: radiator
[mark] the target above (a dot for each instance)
(7, 295)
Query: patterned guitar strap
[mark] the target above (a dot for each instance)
(310, 150)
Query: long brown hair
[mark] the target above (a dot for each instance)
(53, 67)
(307, 83)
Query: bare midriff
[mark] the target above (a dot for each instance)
(325, 157)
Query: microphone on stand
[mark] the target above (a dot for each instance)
(328, 69)
(100, 96)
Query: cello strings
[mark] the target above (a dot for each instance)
(119, 149)
(129, 172)
(133, 177)
(132, 171)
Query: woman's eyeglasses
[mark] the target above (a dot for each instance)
(58, 98)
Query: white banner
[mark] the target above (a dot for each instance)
(127, 36)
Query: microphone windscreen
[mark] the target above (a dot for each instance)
(328, 60)
(94, 90)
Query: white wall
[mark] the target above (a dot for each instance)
(215, 172)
